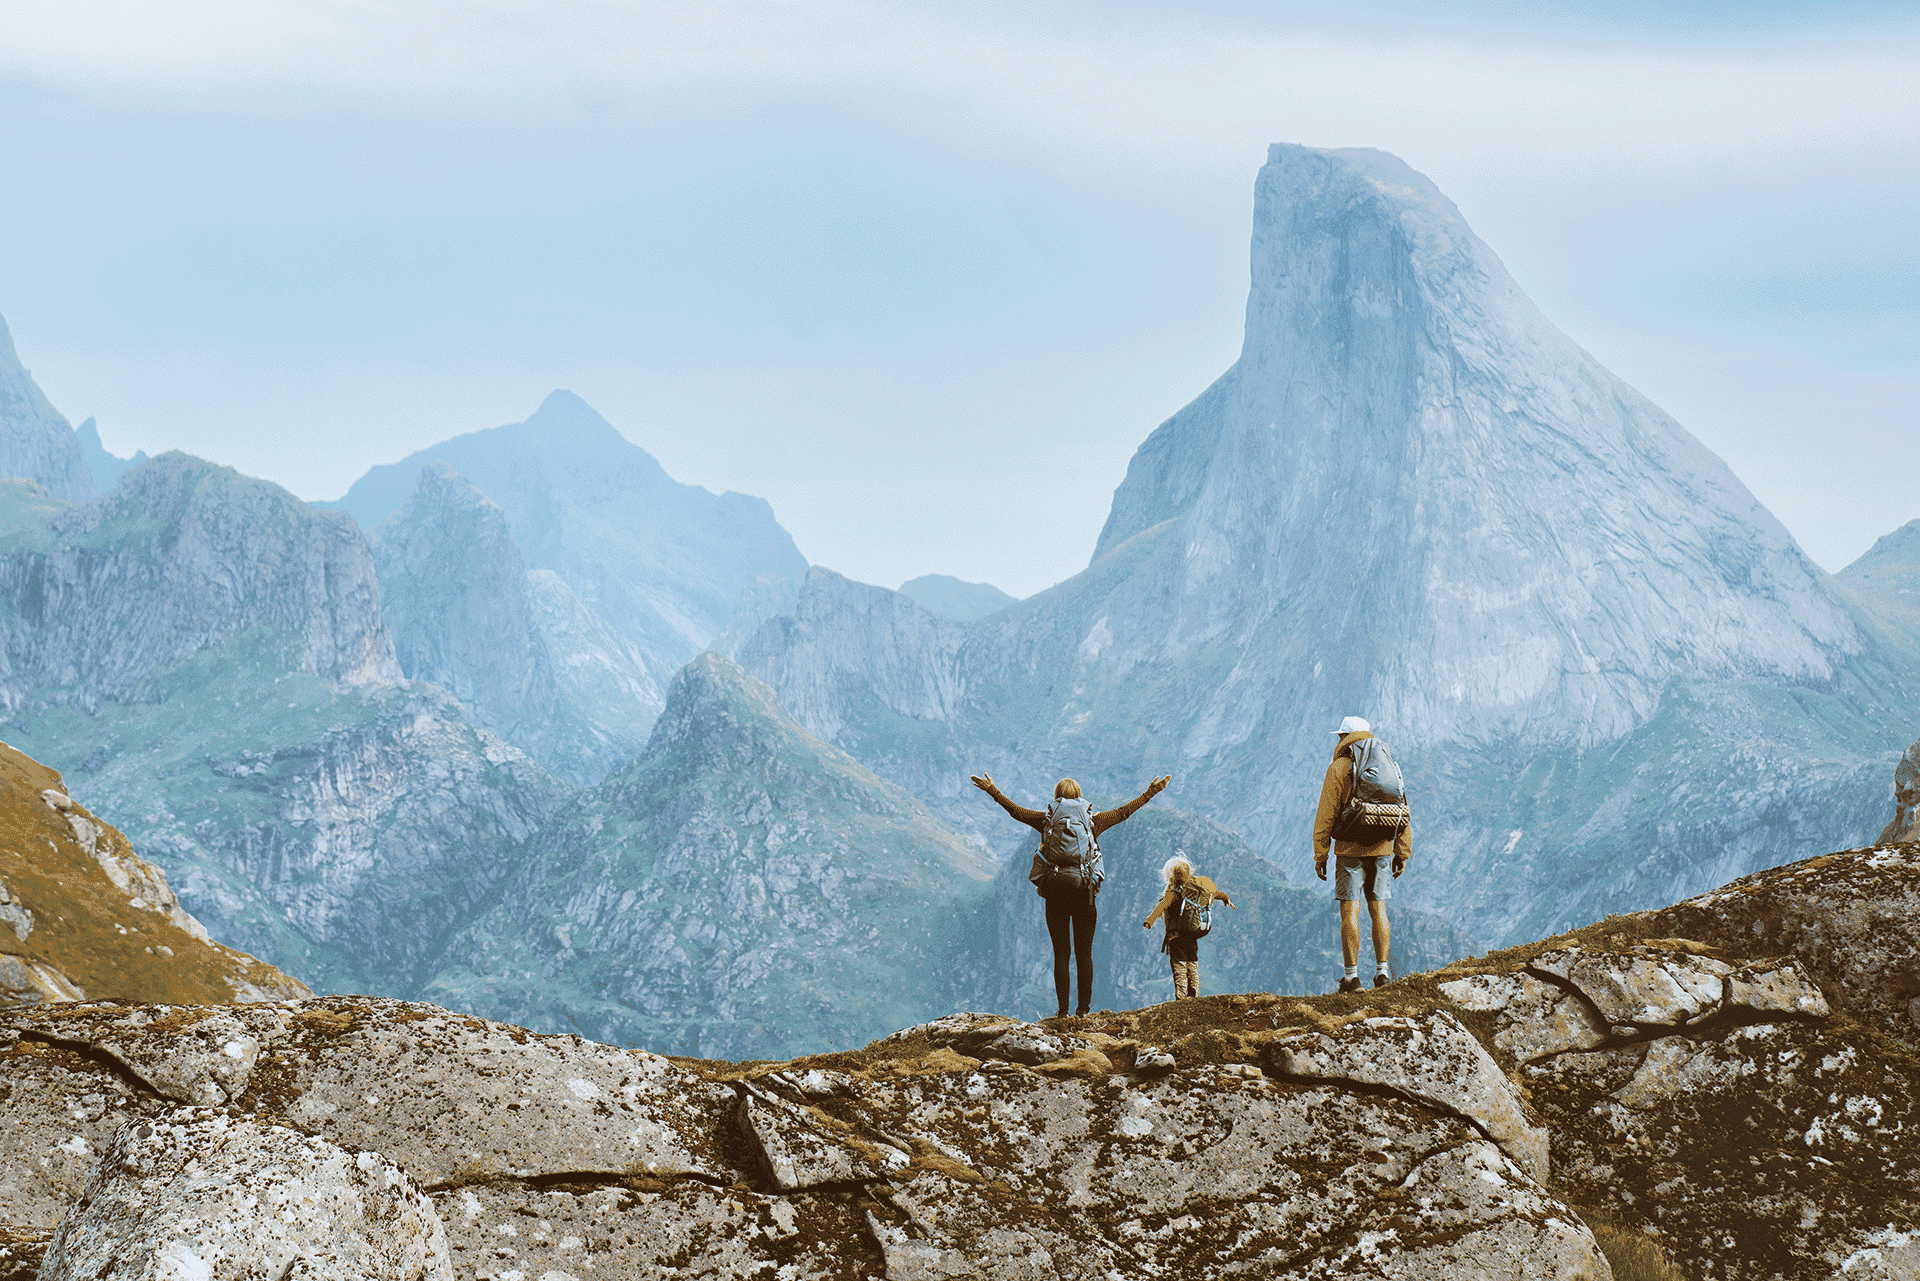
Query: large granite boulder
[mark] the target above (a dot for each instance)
(976, 1146)
(197, 1194)
(1851, 920)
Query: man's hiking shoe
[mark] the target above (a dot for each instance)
(1381, 980)
(1350, 985)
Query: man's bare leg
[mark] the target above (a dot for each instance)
(1350, 931)
(1382, 933)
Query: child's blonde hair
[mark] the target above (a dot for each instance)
(1178, 860)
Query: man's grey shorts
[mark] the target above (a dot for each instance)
(1358, 878)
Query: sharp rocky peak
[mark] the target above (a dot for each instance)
(715, 712)
(36, 441)
(1410, 468)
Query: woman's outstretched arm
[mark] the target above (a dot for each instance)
(1107, 818)
(1036, 819)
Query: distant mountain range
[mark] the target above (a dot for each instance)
(1612, 676)
(524, 725)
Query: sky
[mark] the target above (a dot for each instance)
(924, 275)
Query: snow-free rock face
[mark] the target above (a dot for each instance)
(98, 601)
(203, 656)
(1852, 921)
(82, 915)
(1412, 499)
(955, 598)
(1906, 800)
(672, 568)
(528, 658)
(36, 442)
(105, 468)
(197, 1193)
(1891, 567)
(1398, 411)
(740, 888)
(975, 1147)
(1721, 1096)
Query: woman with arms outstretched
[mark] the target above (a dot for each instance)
(1066, 871)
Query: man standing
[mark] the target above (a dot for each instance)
(1362, 819)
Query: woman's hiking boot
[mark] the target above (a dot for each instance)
(1350, 985)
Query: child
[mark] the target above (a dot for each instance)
(1186, 904)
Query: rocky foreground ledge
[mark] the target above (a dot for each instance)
(1732, 1078)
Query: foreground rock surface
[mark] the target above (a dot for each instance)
(978, 1146)
(195, 1193)
(1722, 1098)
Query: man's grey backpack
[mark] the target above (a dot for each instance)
(1068, 857)
(1376, 808)
(1193, 918)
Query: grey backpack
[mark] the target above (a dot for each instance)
(1069, 857)
(1376, 808)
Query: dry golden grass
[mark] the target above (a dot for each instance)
(1632, 1255)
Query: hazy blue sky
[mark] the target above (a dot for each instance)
(924, 275)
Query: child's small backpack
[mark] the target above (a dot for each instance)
(1193, 918)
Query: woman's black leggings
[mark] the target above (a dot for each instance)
(1072, 917)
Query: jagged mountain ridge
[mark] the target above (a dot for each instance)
(105, 468)
(203, 656)
(1611, 675)
(533, 663)
(671, 568)
(98, 600)
(739, 888)
(36, 441)
(955, 598)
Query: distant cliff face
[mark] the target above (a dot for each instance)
(1906, 800)
(182, 556)
(36, 442)
(740, 888)
(1410, 470)
(83, 916)
(533, 664)
(205, 658)
(1611, 676)
(669, 568)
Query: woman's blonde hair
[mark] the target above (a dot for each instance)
(1176, 862)
(1066, 788)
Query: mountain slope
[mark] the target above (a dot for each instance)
(97, 600)
(36, 442)
(671, 568)
(203, 656)
(531, 662)
(740, 888)
(81, 914)
(1611, 676)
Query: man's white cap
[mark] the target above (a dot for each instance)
(1352, 725)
